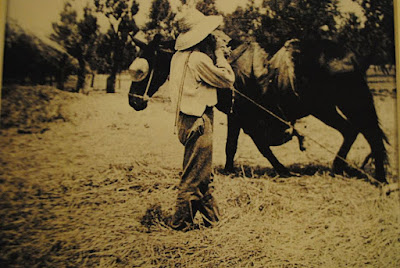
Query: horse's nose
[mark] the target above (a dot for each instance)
(137, 103)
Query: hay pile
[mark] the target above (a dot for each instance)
(30, 107)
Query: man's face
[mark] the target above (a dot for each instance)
(222, 41)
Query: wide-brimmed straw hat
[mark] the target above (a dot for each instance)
(194, 27)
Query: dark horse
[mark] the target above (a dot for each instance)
(318, 78)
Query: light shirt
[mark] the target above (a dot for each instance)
(201, 80)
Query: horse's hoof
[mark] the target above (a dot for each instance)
(339, 168)
(286, 174)
(383, 180)
(228, 170)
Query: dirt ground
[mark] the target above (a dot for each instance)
(74, 192)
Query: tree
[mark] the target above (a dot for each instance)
(275, 22)
(243, 22)
(207, 7)
(77, 37)
(161, 20)
(119, 50)
(373, 41)
(302, 19)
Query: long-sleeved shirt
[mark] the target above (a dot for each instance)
(200, 82)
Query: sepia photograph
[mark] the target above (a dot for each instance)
(189, 133)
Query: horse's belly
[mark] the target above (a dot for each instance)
(273, 132)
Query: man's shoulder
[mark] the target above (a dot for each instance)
(198, 57)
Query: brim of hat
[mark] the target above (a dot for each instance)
(198, 33)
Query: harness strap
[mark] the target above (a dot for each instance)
(178, 105)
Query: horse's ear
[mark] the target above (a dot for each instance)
(139, 43)
(168, 46)
(233, 43)
(157, 39)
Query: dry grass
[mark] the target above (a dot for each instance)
(75, 196)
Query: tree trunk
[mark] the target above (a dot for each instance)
(111, 83)
(92, 81)
(81, 75)
(60, 78)
(60, 73)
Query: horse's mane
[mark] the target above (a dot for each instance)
(283, 67)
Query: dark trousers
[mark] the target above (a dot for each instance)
(195, 191)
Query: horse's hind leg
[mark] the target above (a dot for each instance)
(364, 117)
(333, 119)
(378, 151)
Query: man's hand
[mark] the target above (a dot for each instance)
(222, 41)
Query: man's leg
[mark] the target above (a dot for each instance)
(197, 167)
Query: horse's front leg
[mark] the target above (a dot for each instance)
(231, 142)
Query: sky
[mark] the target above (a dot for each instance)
(38, 15)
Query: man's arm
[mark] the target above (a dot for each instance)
(220, 75)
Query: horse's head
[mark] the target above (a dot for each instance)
(149, 70)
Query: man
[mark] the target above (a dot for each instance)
(198, 69)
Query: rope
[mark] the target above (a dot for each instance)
(315, 141)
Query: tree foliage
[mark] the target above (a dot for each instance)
(373, 41)
(116, 45)
(161, 20)
(78, 37)
(243, 23)
(302, 19)
(276, 21)
(207, 7)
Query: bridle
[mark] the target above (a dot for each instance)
(145, 96)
